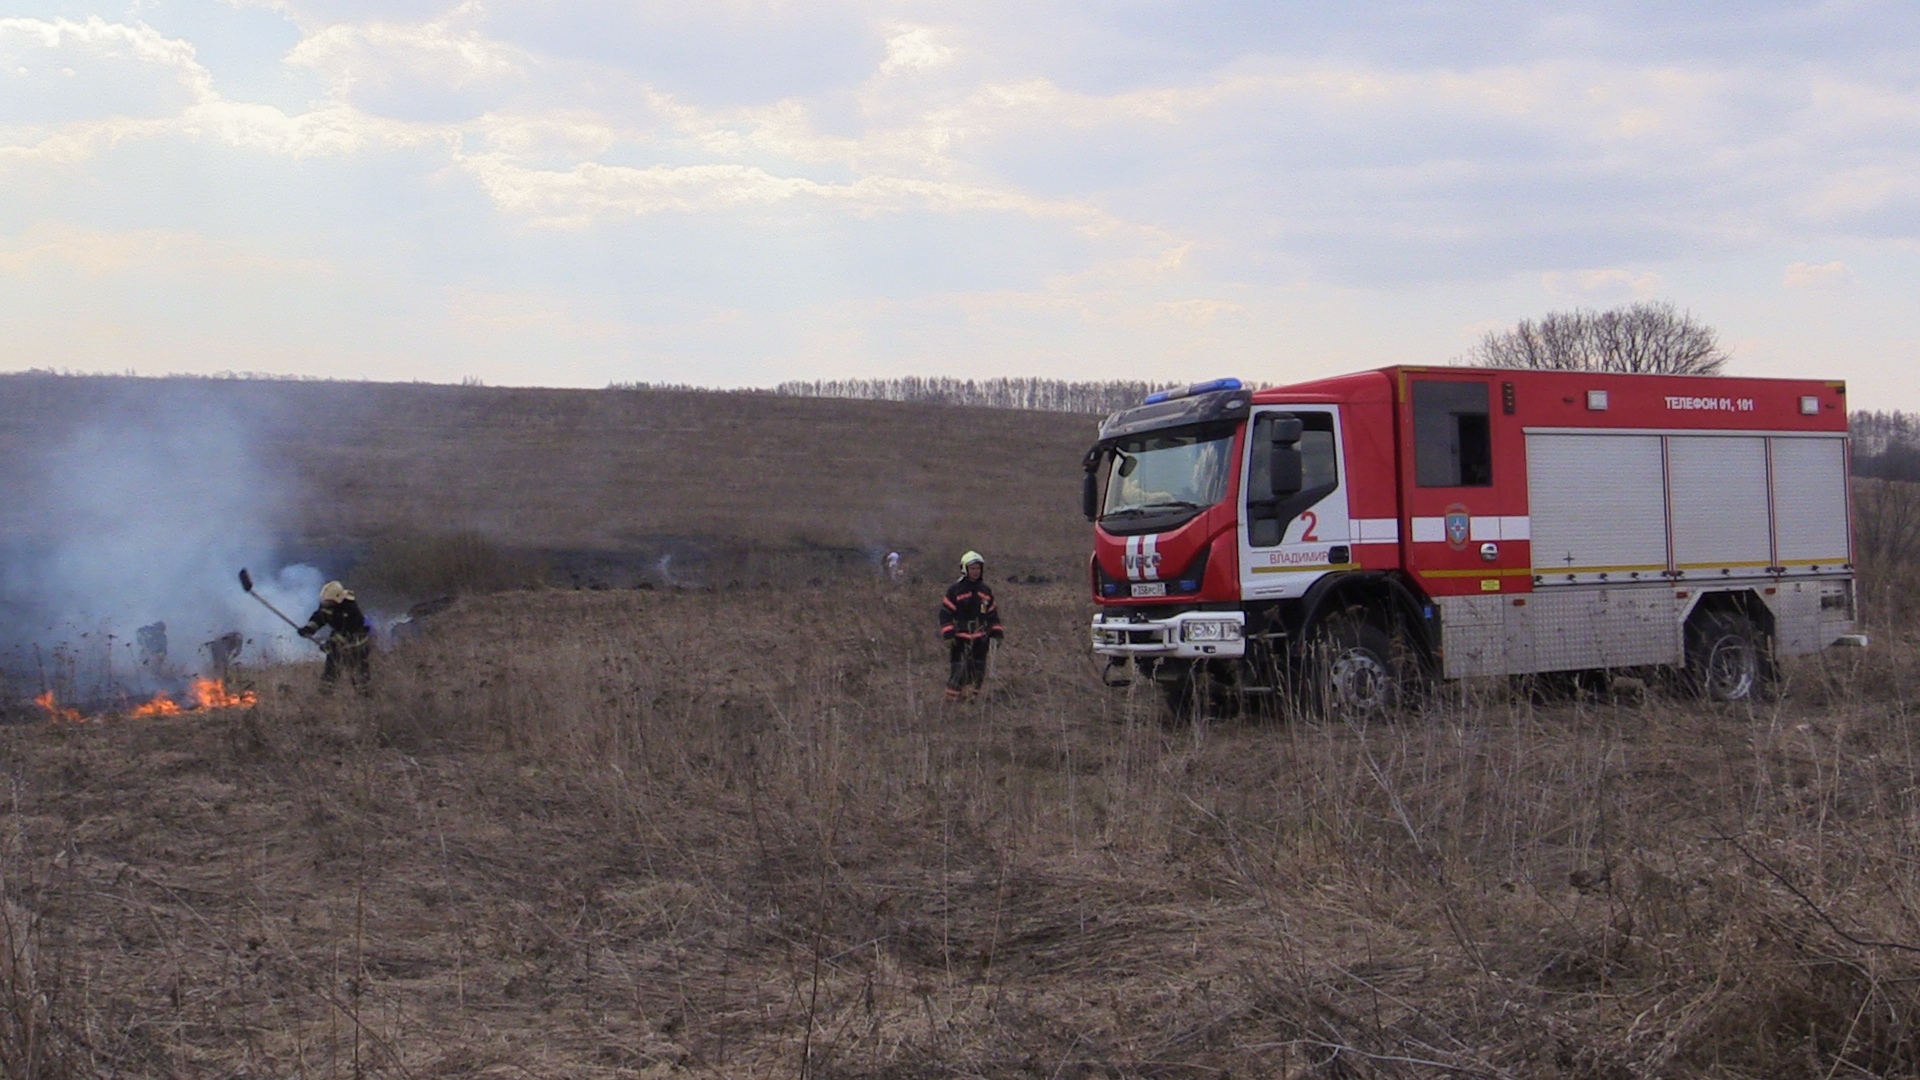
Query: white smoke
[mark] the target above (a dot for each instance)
(146, 516)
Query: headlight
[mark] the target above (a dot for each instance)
(1212, 630)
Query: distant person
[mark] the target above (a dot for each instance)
(223, 650)
(350, 642)
(153, 642)
(970, 622)
(892, 566)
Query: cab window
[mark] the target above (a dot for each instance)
(1452, 434)
(1319, 475)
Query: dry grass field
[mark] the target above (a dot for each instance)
(737, 833)
(734, 831)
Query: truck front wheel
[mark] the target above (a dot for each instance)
(1353, 669)
(1194, 691)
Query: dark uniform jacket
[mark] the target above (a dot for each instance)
(968, 612)
(345, 619)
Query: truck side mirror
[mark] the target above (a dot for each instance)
(1286, 429)
(1090, 494)
(1284, 470)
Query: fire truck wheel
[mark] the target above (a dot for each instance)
(1197, 694)
(1726, 657)
(1356, 672)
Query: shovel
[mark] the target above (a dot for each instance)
(246, 582)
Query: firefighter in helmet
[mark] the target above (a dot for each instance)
(351, 641)
(970, 623)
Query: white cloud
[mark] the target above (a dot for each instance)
(1803, 275)
(1369, 126)
(96, 36)
(914, 48)
(448, 53)
(331, 130)
(66, 70)
(576, 197)
(1601, 285)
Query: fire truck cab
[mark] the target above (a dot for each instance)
(1351, 537)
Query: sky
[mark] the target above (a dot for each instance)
(736, 193)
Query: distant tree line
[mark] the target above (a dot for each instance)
(679, 388)
(1886, 445)
(1047, 395)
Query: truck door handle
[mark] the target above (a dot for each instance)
(1489, 552)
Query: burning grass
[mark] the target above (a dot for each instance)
(738, 833)
(201, 696)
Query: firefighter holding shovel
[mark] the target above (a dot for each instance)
(970, 623)
(350, 641)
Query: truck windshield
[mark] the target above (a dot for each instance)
(1168, 472)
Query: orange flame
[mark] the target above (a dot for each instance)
(206, 694)
(213, 694)
(161, 705)
(55, 712)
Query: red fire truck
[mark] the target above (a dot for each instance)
(1351, 538)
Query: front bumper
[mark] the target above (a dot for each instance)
(1189, 635)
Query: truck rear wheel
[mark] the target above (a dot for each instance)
(1353, 669)
(1727, 657)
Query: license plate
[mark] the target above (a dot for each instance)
(1150, 588)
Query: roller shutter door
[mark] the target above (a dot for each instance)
(1810, 502)
(1719, 502)
(1597, 504)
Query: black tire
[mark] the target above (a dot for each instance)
(1728, 657)
(1354, 671)
(1198, 693)
(1182, 700)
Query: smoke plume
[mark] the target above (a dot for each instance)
(141, 515)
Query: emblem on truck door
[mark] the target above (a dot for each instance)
(1459, 526)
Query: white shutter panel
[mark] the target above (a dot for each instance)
(1596, 502)
(1719, 501)
(1810, 501)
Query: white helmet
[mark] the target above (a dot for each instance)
(333, 593)
(970, 558)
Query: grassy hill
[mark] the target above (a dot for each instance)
(607, 482)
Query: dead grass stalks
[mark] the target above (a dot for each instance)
(633, 834)
(408, 565)
(34, 1042)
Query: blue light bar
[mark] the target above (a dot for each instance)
(1197, 388)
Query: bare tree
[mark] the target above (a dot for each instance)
(1886, 522)
(1646, 338)
(1886, 445)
